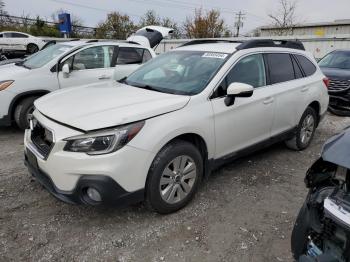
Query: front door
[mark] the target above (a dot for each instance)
(88, 66)
(248, 121)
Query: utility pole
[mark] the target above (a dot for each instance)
(239, 22)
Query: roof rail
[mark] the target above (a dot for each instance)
(75, 39)
(294, 44)
(132, 42)
(209, 41)
(92, 41)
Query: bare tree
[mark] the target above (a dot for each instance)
(284, 18)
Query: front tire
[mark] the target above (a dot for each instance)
(299, 238)
(305, 131)
(23, 111)
(174, 177)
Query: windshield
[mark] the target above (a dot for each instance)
(178, 72)
(337, 59)
(42, 57)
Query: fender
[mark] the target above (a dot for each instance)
(20, 96)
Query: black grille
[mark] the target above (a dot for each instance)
(42, 138)
(339, 85)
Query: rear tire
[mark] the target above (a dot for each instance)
(23, 111)
(174, 177)
(304, 132)
(32, 48)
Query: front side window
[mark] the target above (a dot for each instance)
(280, 68)
(46, 55)
(336, 59)
(92, 58)
(249, 70)
(178, 72)
(1, 35)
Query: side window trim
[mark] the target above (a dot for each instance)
(299, 66)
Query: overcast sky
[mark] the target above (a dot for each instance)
(92, 11)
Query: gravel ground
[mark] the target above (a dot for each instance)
(244, 212)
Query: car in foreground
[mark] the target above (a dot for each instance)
(157, 134)
(336, 66)
(322, 228)
(12, 42)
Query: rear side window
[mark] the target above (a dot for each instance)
(297, 71)
(129, 55)
(308, 67)
(18, 35)
(146, 56)
(280, 68)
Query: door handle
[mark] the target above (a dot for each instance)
(304, 89)
(103, 77)
(269, 100)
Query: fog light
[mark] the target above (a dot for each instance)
(93, 194)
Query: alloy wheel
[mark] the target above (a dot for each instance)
(307, 129)
(178, 179)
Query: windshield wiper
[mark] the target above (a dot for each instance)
(22, 64)
(123, 80)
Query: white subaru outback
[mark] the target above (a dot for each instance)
(157, 134)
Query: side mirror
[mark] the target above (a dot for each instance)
(65, 70)
(238, 90)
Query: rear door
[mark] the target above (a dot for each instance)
(286, 81)
(19, 41)
(248, 121)
(88, 66)
(129, 59)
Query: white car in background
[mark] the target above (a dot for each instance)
(11, 41)
(68, 64)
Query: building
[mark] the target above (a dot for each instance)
(336, 28)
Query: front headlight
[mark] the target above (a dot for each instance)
(5, 84)
(103, 142)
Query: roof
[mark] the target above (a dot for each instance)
(15, 32)
(344, 22)
(86, 42)
(213, 47)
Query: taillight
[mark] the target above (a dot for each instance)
(326, 81)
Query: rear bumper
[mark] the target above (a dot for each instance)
(111, 192)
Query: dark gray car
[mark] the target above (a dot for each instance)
(336, 66)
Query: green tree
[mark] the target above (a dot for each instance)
(116, 26)
(41, 28)
(204, 25)
(150, 18)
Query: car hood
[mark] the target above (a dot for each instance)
(337, 149)
(336, 73)
(105, 105)
(12, 71)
